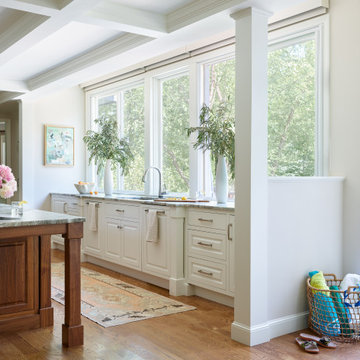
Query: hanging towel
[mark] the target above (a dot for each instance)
(92, 216)
(152, 227)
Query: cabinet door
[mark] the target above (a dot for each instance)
(58, 205)
(113, 235)
(156, 257)
(92, 241)
(231, 242)
(131, 245)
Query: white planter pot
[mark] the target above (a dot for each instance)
(221, 181)
(108, 179)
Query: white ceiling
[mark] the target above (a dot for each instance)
(48, 44)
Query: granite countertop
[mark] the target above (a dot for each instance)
(34, 217)
(230, 206)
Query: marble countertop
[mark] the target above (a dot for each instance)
(230, 206)
(34, 217)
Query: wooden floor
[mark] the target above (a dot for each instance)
(201, 334)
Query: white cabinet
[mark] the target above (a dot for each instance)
(64, 204)
(156, 255)
(209, 250)
(92, 244)
(120, 234)
(231, 243)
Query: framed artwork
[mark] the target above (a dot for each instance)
(59, 146)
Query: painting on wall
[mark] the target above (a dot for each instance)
(59, 146)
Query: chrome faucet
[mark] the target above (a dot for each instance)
(160, 195)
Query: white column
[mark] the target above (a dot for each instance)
(250, 325)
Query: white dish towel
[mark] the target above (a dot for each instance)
(92, 216)
(152, 227)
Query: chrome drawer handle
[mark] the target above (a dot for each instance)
(207, 220)
(205, 244)
(119, 210)
(208, 273)
(119, 227)
(229, 231)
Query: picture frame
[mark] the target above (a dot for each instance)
(59, 147)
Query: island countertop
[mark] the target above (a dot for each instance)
(35, 217)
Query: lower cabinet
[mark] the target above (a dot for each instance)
(121, 239)
(156, 255)
(209, 251)
(92, 242)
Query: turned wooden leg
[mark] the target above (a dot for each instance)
(72, 330)
(46, 311)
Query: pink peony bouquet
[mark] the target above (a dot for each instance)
(8, 183)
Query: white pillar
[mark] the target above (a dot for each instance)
(250, 324)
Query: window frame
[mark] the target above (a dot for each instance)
(317, 29)
(194, 66)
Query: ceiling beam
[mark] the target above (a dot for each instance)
(101, 53)
(198, 10)
(123, 18)
(40, 7)
(33, 28)
(8, 95)
(12, 85)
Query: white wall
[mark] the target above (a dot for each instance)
(65, 108)
(345, 119)
(305, 234)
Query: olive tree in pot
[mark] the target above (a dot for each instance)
(216, 132)
(108, 150)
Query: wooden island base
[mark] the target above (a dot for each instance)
(25, 279)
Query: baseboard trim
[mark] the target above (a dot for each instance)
(250, 336)
(288, 324)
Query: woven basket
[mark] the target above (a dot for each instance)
(333, 313)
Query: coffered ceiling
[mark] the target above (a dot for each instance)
(48, 44)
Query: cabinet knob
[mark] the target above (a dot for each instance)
(119, 227)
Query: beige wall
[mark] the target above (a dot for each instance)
(345, 119)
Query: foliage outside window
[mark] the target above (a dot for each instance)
(175, 143)
(128, 107)
(292, 116)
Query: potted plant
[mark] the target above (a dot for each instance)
(107, 149)
(216, 133)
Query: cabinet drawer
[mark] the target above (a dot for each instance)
(202, 243)
(120, 210)
(207, 274)
(206, 219)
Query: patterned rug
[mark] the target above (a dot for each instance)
(110, 302)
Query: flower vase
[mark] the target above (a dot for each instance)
(221, 181)
(108, 179)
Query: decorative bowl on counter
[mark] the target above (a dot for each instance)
(85, 188)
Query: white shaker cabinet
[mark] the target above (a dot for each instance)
(156, 255)
(92, 244)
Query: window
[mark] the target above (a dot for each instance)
(128, 107)
(293, 137)
(175, 142)
(219, 85)
(154, 110)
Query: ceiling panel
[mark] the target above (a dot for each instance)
(8, 17)
(157, 6)
(68, 42)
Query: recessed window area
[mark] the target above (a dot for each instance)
(155, 110)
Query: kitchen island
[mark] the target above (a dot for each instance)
(25, 271)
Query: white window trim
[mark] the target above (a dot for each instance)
(320, 28)
(194, 67)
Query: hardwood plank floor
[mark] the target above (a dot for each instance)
(202, 334)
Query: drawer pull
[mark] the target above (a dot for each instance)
(75, 204)
(229, 232)
(206, 220)
(119, 227)
(120, 210)
(96, 204)
(208, 273)
(205, 244)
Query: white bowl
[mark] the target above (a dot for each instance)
(85, 188)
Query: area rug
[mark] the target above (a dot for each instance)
(110, 302)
